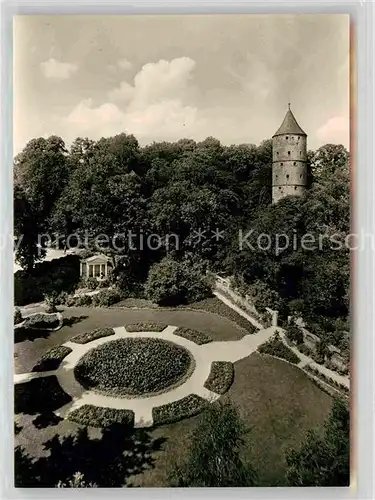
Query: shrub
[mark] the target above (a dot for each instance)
(42, 321)
(263, 296)
(97, 416)
(172, 282)
(183, 408)
(221, 377)
(17, 316)
(276, 347)
(294, 334)
(52, 359)
(195, 336)
(146, 327)
(215, 455)
(63, 298)
(133, 366)
(106, 298)
(83, 301)
(91, 283)
(84, 338)
(104, 283)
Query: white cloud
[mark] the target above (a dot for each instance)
(335, 130)
(123, 93)
(124, 64)
(53, 69)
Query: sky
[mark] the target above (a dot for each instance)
(163, 78)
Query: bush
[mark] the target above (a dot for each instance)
(42, 321)
(83, 301)
(146, 327)
(215, 455)
(106, 298)
(17, 316)
(276, 347)
(183, 408)
(97, 416)
(91, 283)
(133, 366)
(221, 377)
(171, 282)
(195, 336)
(294, 334)
(52, 359)
(263, 296)
(84, 338)
(63, 298)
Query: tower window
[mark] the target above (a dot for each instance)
(288, 152)
(286, 137)
(295, 187)
(281, 163)
(300, 153)
(287, 176)
(279, 188)
(277, 152)
(294, 163)
(300, 176)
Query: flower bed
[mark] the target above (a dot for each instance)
(39, 395)
(97, 416)
(214, 305)
(173, 412)
(276, 347)
(41, 321)
(134, 367)
(52, 359)
(195, 336)
(145, 327)
(84, 338)
(326, 379)
(221, 377)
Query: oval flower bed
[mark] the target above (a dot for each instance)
(134, 367)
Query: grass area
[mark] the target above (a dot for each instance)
(134, 366)
(96, 416)
(52, 359)
(278, 402)
(195, 336)
(39, 396)
(276, 347)
(98, 333)
(214, 305)
(220, 377)
(146, 327)
(183, 408)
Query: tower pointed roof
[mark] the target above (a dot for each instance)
(289, 125)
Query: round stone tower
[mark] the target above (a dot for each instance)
(289, 159)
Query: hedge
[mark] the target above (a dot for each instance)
(97, 416)
(276, 347)
(41, 321)
(326, 379)
(145, 327)
(221, 377)
(52, 359)
(183, 408)
(84, 338)
(195, 336)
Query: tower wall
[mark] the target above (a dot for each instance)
(289, 167)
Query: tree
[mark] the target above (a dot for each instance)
(172, 282)
(323, 461)
(214, 458)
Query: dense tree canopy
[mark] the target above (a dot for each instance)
(201, 200)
